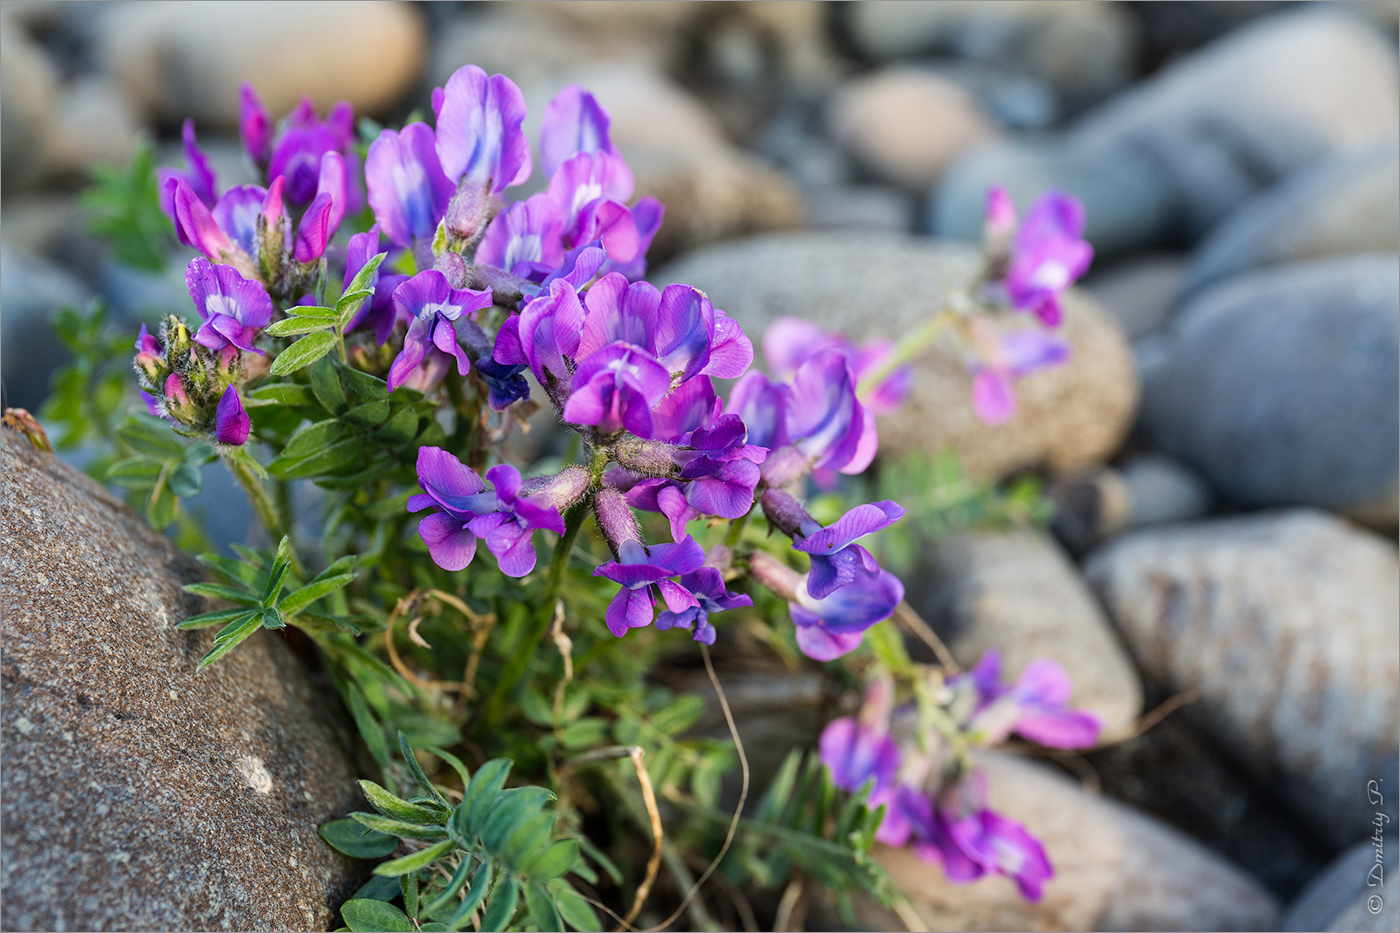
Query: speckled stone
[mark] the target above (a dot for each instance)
(1285, 624)
(885, 285)
(137, 794)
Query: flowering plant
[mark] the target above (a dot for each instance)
(377, 319)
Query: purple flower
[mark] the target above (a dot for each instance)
(638, 568)
(323, 217)
(818, 417)
(573, 122)
(254, 126)
(545, 336)
(464, 510)
(836, 557)
(857, 750)
(1000, 218)
(615, 388)
(590, 189)
(1005, 358)
(231, 422)
(707, 586)
(407, 188)
(378, 312)
(200, 177)
(301, 145)
(431, 304)
(790, 341)
(524, 239)
(834, 625)
(1047, 254)
(479, 139)
(1036, 707)
(233, 308)
(995, 843)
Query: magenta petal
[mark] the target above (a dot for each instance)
(731, 353)
(1059, 728)
(333, 181)
(820, 644)
(573, 122)
(446, 478)
(677, 597)
(254, 126)
(514, 549)
(450, 543)
(197, 225)
(314, 231)
(237, 214)
(857, 523)
(231, 422)
(408, 191)
(993, 398)
(479, 138)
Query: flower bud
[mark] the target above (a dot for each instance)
(177, 400)
(453, 266)
(468, 212)
(647, 458)
(178, 342)
(615, 518)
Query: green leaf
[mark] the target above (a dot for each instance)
(362, 386)
(275, 581)
(210, 619)
(238, 573)
(481, 883)
(541, 909)
(392, 806)
(576, 912)
(150, 435)
(417, 771)
(368, 415)
(304, 352)
(502, 907)
(367, 915)
(416, 860)
(356, 841)
(554, 861)
(456, 764)
(381, 889)
(298, 324)
(279, 393)
(400, 828)
(480, 795)
(160, 510)
(399, 429)
(326, 385)
(218, 591)
(135, 472)
(584, 733)
(328, 460)
(369, 727)
(314, 437)
(272, 619)
(230, 637)
(299, 599)
(449, 893)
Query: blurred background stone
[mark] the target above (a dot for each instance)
(1283, 387)
(1285, 624)
(1015, 592)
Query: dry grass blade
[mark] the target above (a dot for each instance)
(905, 615)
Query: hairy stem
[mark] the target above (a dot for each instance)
(909, 346)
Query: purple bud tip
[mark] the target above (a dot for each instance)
(783, 511)
(615, 518)
(231, 422)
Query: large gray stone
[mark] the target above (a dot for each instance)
(188, 60)
(1283, 387)
(1017, 593)
(1115, 869)
(1166, 160)
(886, 285)
(137, 794)
(1331, 900)
(1085, 49)
(1347, 204)
(1285, 623)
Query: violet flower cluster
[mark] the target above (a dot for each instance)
(1028, 268)
(490, 293)
(935, 800)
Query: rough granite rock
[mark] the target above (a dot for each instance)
(1017, 592)
(1115, 869)
(1285, 623)
(887, 284)
(137, 794)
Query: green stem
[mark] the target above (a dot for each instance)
(909, 346)
(736, 529)
(515, 670)
(246, 470)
